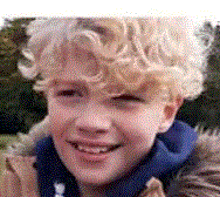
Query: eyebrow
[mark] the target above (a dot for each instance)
(129, 96)
(68, 82)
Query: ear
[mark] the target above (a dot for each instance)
(170, 110)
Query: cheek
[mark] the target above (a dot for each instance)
(141, 127)
(59, 118)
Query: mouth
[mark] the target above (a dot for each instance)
(93, 149)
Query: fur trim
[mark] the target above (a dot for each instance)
(27, 142)
(201, 175)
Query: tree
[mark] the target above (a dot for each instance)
(205, 109)
(12, 38)
(20, 106)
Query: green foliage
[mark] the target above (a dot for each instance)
(5, 140)
(205, 110)
(20, 106)
(12, 38)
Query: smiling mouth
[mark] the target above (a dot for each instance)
(94, 149)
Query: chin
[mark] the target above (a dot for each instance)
(94, 178)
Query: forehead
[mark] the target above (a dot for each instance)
(77, 63)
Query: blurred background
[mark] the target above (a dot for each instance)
(20, 106)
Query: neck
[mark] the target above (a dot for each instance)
(90, 191)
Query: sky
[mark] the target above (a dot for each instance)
(199, 11)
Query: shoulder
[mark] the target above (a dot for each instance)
(19, 173)
(201, 174)
(19, 177)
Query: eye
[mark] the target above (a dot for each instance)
(69, 93)
(128, 98)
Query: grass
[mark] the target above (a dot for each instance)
(5, 140)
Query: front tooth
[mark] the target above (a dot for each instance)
(94, 150)
(80, 147)
(87, 149)
(103, 149)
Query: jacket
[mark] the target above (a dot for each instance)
(200, 176)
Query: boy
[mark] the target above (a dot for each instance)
(113, 88)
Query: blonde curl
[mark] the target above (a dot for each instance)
(128, 51)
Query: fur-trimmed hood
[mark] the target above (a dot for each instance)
(199, 177)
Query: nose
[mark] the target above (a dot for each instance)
(93, 121)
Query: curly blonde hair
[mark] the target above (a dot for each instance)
(129, 51)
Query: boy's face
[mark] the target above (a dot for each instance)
(99, 138)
